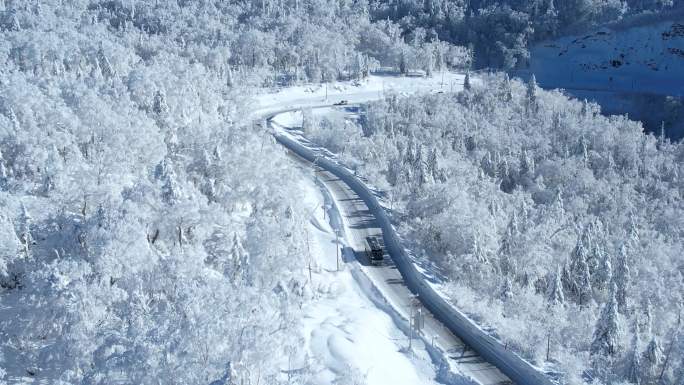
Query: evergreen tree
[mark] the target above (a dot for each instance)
(653, 358)
(24, 231)
(554, 292)
(606, 341)
(583, 280)
(478, 252)
(240, 258)
(394, 171)
(586, 109)
(634, 369)
(403, 63)
(622, 279)
(646, 318)
(505, 89)
(633, 234)
(548, 24)
(579, 269)
(229, 77)
(171, 190)
(159, 105)
(604, 275)
(560, 208)
(662, 138)
(105, 66)
(466, 82)
(12, 116)
(526, 164)
(531, 95)
(432, 167)
(507, 288)
(3, 173)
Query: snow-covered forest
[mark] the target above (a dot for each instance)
(152, 233)
(557, 226)
(499, 31)
(149, 233)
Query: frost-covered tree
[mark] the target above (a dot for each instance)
(23, 226)
(581, 282)
(531, 105)
(159, 105)
(606, 341)
(555, 294)
(505, 91)
(240, 268)
(622, 279)
(634, 370)
(604, 275)
(652, 359)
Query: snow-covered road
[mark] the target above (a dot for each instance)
(389, 280)
(349, 339)
(359, 223)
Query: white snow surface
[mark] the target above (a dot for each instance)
(371, 88)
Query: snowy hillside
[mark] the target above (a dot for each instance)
(154, 230)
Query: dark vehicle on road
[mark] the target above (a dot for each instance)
(374, 250)
(341, 103)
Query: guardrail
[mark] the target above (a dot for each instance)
(487, 346)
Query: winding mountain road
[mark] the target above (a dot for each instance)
(464, 347)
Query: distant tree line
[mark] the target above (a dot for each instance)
(500, 32)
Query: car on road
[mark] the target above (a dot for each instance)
(374, 250)
(341, 103)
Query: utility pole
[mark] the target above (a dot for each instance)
(337, 248)
(308, 251)
(410, 325)
(415, 319)
(548, 346)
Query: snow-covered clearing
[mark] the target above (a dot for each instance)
(371, 88)
(348, 338)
